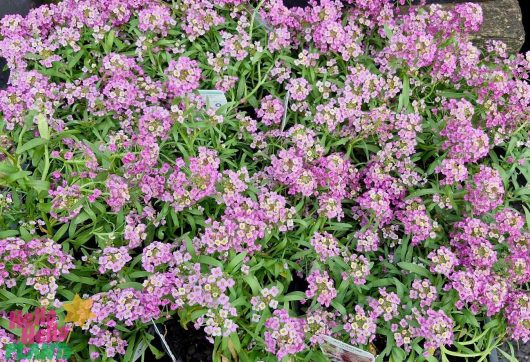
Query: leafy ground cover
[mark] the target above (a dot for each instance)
(366, 179)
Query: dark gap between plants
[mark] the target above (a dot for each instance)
(525, 10)
(298, 284)
(186, 345)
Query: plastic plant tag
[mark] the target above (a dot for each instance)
(139, 351)
(164, 342)
(285, 106)
(258, 19)
(263, 23)
(213, 98)
(337, 351)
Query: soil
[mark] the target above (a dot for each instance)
(188, 345)
(522, 354)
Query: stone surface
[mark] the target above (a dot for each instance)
(16, 6)
(522, 352)
(502, 21)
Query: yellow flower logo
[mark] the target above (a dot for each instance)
(78, 310)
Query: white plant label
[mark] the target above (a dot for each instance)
(213, 98)
(263, 23)
(139, 351)
(164, 342)
(337, 351)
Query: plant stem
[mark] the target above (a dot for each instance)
(46, 163)
(260, 83)
(253, 18)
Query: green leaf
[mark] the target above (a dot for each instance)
(54, 73)
(36, 142)
(415, 268)
(398, 354)
(422, 192)
(131, 348)
(339, 307)
(75, 59)
(380, 283)
(109, 42)
(400, 287)
(252, 281)
(158, 354)
(39, 185)
(133, 285)
(7, 168)
(238, 259)
(404, 96)
(42, 125)
(510, 357)
(293, 296)
(4, 323)
(388, 31)
(316, 356)
(18, 300)
(256, 57)
(470, 318)
(205, 259)
(78, 347)
(57, 236)
(79, 279)
(235, 341)
(139, 274)
(339, 226)
(8, 233)
(7, 294)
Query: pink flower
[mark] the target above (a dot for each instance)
(386, 305)
(518, 316)
(284, 335)
(271, 110)
(360, 327)
(367, 240)
(325, 245)
(156, 18)
(183, 75)
(423, 291)
(321, 287)
(486, 192)
(299, 89)
(436, 327)
(113, 259)
(443, 261)
(119, 192)
(359, 269)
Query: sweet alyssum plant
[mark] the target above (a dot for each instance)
(374, 155)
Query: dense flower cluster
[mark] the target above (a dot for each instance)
(284, 334)
(321, 287)
(360, 326)
(366, 179)
(38, 263)
(424, 291)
